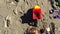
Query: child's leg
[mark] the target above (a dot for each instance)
(35, 23)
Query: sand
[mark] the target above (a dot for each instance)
(12, 11)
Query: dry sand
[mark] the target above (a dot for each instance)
(12, 11)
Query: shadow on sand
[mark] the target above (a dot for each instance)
(52, 4)
(27, 18)
(52, 26)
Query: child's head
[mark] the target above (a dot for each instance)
(32, 30)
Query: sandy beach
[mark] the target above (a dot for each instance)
(12, 11)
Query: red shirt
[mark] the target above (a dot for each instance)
(37, 14)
